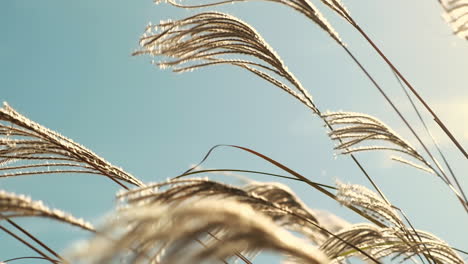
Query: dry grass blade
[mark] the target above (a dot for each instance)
(382, 242)
(273, 200)
(165, 233)
(215, 38)
(35, 149)
(303, 6)
(354, 130)
(12, 205)
(456, 14)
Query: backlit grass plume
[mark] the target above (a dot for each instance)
(28, 148)
(393, 237)
(456, 14)
(13, 206)
(369, 202)
(215, 38)
(357, 132)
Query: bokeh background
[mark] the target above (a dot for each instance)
(68, 66)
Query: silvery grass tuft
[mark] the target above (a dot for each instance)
(192, 43)
(13, 206)
(40, 150)
(191, 219)
(456, 14)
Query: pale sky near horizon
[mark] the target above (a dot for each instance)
(67, 66)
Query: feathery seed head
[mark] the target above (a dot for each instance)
(13, 205)
(456, 15)
(353, 131)
(369, 202)
(41, 149)
(214, 38)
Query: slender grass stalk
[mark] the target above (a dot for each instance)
(38, 251)
(434, 141)
(23, 258)
(339, 8)
(35, 239)
(249, 171)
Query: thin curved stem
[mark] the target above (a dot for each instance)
(27, 244)
(412, 89)
(364, 70)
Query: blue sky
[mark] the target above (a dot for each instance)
(67, 65)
